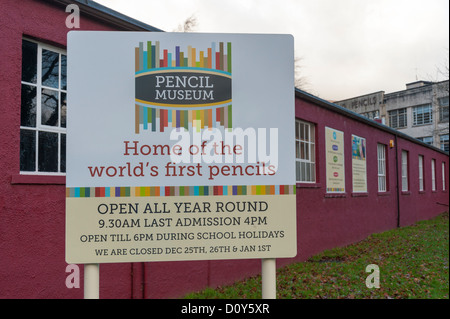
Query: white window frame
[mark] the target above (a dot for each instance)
(398, 118)
(405, 186)
(381, 158)
(433, 174)
(443, 141)
(420, 113)
(39, 126)
(427, 140)
(443, 109)
(421, 180)
(443, 176)
(302, 164)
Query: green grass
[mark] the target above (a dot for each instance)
(413, 263)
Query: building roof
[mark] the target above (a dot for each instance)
(348, 113)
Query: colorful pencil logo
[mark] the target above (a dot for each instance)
(188, 89)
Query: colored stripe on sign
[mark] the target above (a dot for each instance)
(156, 191)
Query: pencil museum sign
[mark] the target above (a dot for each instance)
(179, 147)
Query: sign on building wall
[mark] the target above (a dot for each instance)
(180, 147)
(364, 104)
(335, 168)
(359, 166)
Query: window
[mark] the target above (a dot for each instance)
(405, 171)
(433, 175)
(422, 115)
(427, 139)
(305, 152)
(43, 109)
(398, 118)
(443, 109)
(372, 114)
(381, 152)
(421, 184)
(443, 139)
(443, 176)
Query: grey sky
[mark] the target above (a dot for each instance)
(348, 47)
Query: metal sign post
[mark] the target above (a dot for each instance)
(269, 278)
(91, 281)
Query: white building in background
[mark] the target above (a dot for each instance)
(420, 111)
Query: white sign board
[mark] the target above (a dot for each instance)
(180, 147)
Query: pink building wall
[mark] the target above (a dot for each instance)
(326, 221)
(32, 208)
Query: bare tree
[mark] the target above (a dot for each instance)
(441, 110)
(300, 81)
(443, 70)
(188, 25)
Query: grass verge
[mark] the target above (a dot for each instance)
(412, 262)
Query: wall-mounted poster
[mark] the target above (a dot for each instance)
(359, 168)
(335, 160)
